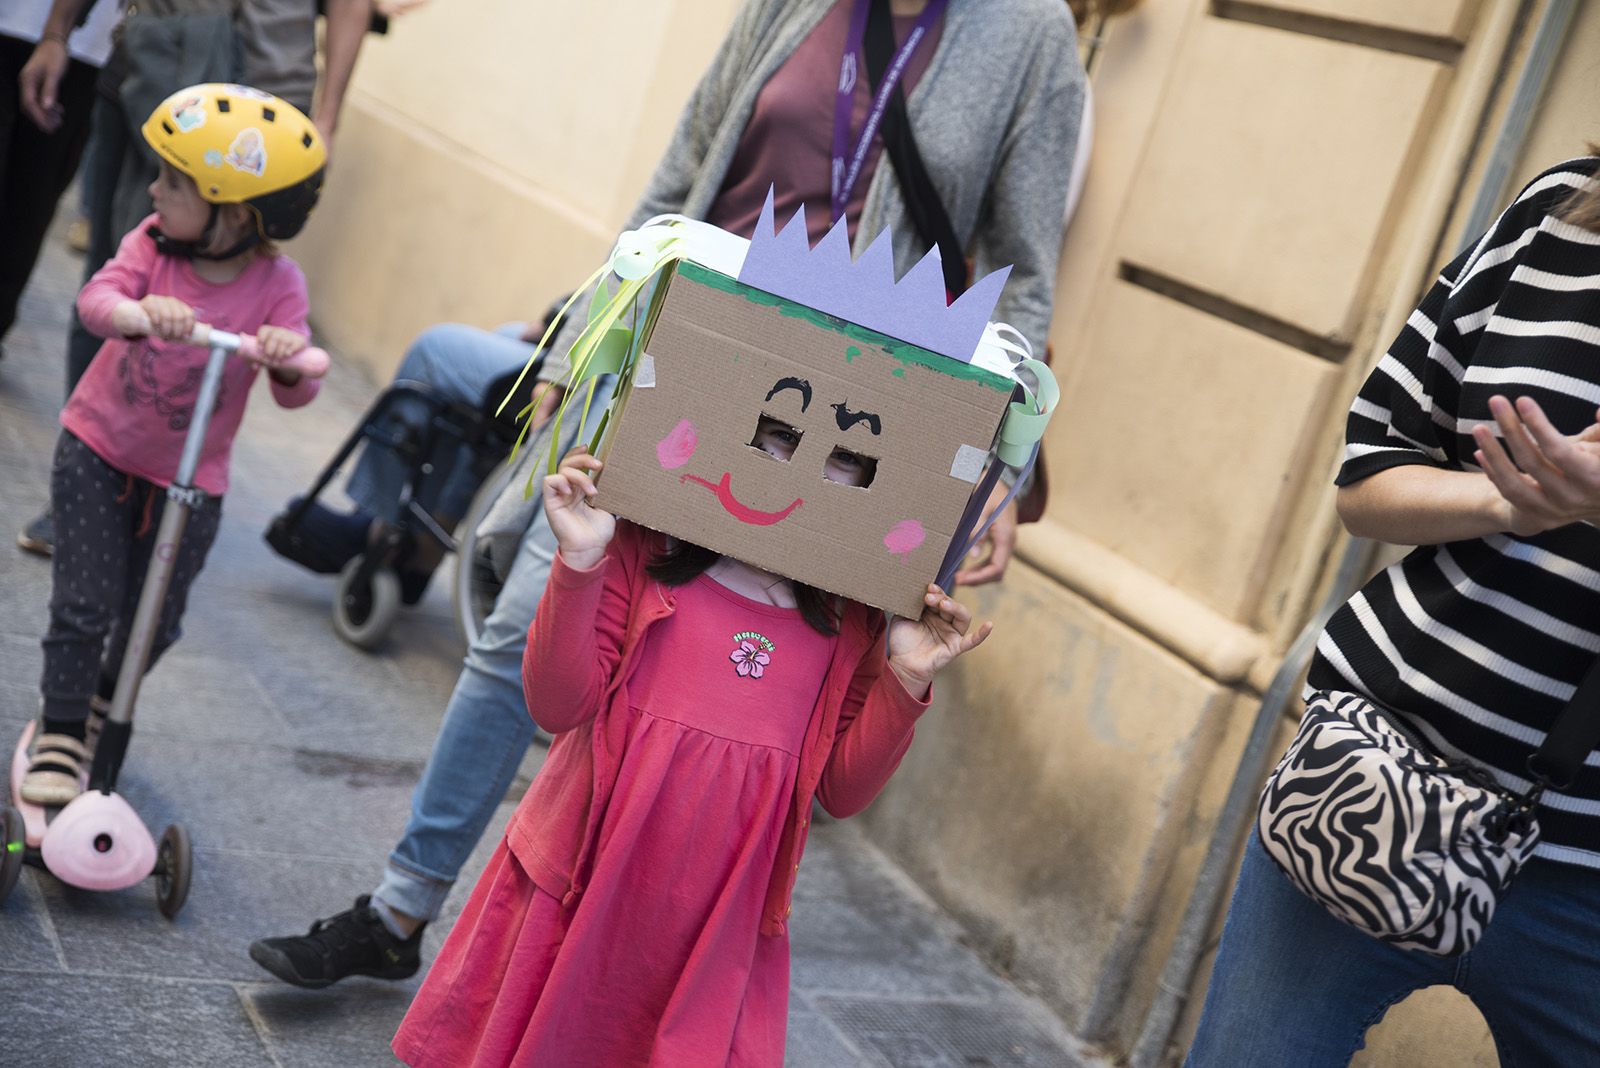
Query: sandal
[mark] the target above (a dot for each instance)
(55, 773)
(99, 712)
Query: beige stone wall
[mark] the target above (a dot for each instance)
(1271, 189)
(487, 155)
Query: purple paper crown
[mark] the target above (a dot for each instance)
(864, 291)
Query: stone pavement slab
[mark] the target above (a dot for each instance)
(290, 757)
(95, 1021)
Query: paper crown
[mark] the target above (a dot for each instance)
(864, 291)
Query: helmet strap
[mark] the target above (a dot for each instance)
(196, 250)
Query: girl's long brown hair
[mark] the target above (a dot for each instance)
(682, 562)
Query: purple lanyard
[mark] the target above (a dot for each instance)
(846, 172)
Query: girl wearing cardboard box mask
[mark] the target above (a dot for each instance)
(998, 152)
(675, 843)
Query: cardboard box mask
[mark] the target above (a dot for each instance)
(715, 353)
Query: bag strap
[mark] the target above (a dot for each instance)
(1572, 738)
(922, 199)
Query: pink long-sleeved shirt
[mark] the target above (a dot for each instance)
(134, 403)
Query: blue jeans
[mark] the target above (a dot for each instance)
(485, 731)
(1294, 986)
(460, 362)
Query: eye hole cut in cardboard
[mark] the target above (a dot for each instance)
(776, 438)
(847, 468)
(844, 467)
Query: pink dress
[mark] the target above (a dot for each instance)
(661, 961)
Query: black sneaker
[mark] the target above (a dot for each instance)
(38, 536)
(354, 942)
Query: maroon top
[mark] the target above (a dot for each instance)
(788, 143)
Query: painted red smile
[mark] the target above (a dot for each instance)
(738, 509)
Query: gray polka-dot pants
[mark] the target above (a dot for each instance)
(105, 527)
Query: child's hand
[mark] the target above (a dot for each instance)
(170, 318)
(918, 648)
(277, 344)
(582, 531)
(129, 319)
(278, 350)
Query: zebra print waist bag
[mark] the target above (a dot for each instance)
(1398, 842)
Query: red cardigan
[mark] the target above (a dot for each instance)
(582, 649)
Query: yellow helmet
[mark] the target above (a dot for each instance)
(243, 146)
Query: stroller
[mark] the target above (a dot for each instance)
(370, 592)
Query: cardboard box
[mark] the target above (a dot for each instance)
(713, 353)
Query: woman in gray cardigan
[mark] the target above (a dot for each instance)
(994, 95)
(996, 117)
(996, 114)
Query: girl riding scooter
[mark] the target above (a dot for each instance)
(240, 169)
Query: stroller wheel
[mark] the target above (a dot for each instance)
(477, 581)
(174, 866)
(363, 612)
(14, 845)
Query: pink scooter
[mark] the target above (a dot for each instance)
(97, 841)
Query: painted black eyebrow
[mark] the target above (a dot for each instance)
(793, 383)
(848, 419)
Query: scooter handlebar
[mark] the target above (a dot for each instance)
(312, 362)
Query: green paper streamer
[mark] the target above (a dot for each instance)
(1025, 420)
(605, 345)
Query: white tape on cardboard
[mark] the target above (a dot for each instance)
(969, 464)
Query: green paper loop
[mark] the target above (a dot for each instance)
(1025, 421)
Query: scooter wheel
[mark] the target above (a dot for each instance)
(174, 866)
(14, 845)
(364, 612)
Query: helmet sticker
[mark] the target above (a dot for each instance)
(248, 152)
(189, 113)
(247, 90)
(213, 158)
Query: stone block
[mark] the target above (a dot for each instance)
(1440, 18)
(1274, 168)
(1198, 426)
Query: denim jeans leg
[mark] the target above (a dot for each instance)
(1292, 985)
(484, 734)
(1535, 973)
(460, 362)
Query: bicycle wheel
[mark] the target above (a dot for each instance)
(477, 583)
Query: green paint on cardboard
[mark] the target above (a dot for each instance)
(899, 372)
(851, 353)
(903, 351)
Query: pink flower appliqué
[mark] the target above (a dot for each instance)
(750, 660)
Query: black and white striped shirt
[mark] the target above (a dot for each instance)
(1479, 644)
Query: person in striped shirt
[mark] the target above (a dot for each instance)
(1477, 439)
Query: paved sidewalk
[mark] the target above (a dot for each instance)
(290, 757)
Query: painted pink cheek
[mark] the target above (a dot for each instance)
(676, 448)
(904, 537)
